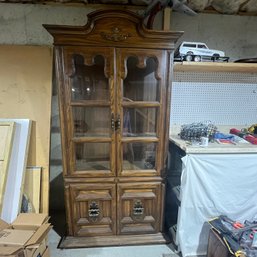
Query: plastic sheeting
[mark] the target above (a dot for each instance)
(211, 185)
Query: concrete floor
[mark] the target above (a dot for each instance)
(121, 251)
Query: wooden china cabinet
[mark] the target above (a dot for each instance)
(114, 87)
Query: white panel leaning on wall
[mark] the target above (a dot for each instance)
(16, 170)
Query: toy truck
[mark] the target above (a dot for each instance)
(197, 51)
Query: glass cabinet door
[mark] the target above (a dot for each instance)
(90, 110)
(140, 101)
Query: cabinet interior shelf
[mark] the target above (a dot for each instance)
(215, 67)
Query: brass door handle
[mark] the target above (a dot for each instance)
(112, 122)
(117, 123)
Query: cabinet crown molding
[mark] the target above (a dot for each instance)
(114, 28)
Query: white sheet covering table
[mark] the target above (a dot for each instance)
(214, 184)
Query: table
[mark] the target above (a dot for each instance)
(215, 180)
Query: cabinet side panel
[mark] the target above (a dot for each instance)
(59, 80)
(169, 75)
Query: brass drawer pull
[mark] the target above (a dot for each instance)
(93, 211)
(138, 209)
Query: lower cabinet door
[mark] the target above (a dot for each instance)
(139, 208)
(93, 209)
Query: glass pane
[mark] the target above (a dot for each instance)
(139, 156)
(92, 156)
(91, 121)
(139, 122)
(89, 82)
(140, 83)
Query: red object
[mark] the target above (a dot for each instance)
(251, 139)
(234, 131)
(247, 137)
(237, 225)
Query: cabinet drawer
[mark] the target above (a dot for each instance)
(93, 209)
(139, 207)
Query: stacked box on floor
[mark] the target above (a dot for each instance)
(25, 237)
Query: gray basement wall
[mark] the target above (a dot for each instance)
(21, 24)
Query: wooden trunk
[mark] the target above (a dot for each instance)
(114, 81)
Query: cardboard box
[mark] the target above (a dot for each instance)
(35, 250)
(3, 225)
(46, 253)
(25, 237)
(15, 236)
(30, 221)
(11, 251)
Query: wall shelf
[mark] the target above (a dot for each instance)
(215, 67)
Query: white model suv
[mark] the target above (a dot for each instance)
(195, 51)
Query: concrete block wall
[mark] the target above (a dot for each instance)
(21, 24)
(236, 35)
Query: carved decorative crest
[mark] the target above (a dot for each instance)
(116, 35)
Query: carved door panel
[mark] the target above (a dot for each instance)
(93, 209)
(140, 106)
(139, 208)
(88, 105)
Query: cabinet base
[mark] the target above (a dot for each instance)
(80, 242)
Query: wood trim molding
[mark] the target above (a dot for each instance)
(97, 30)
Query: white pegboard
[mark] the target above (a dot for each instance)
(223, 98)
